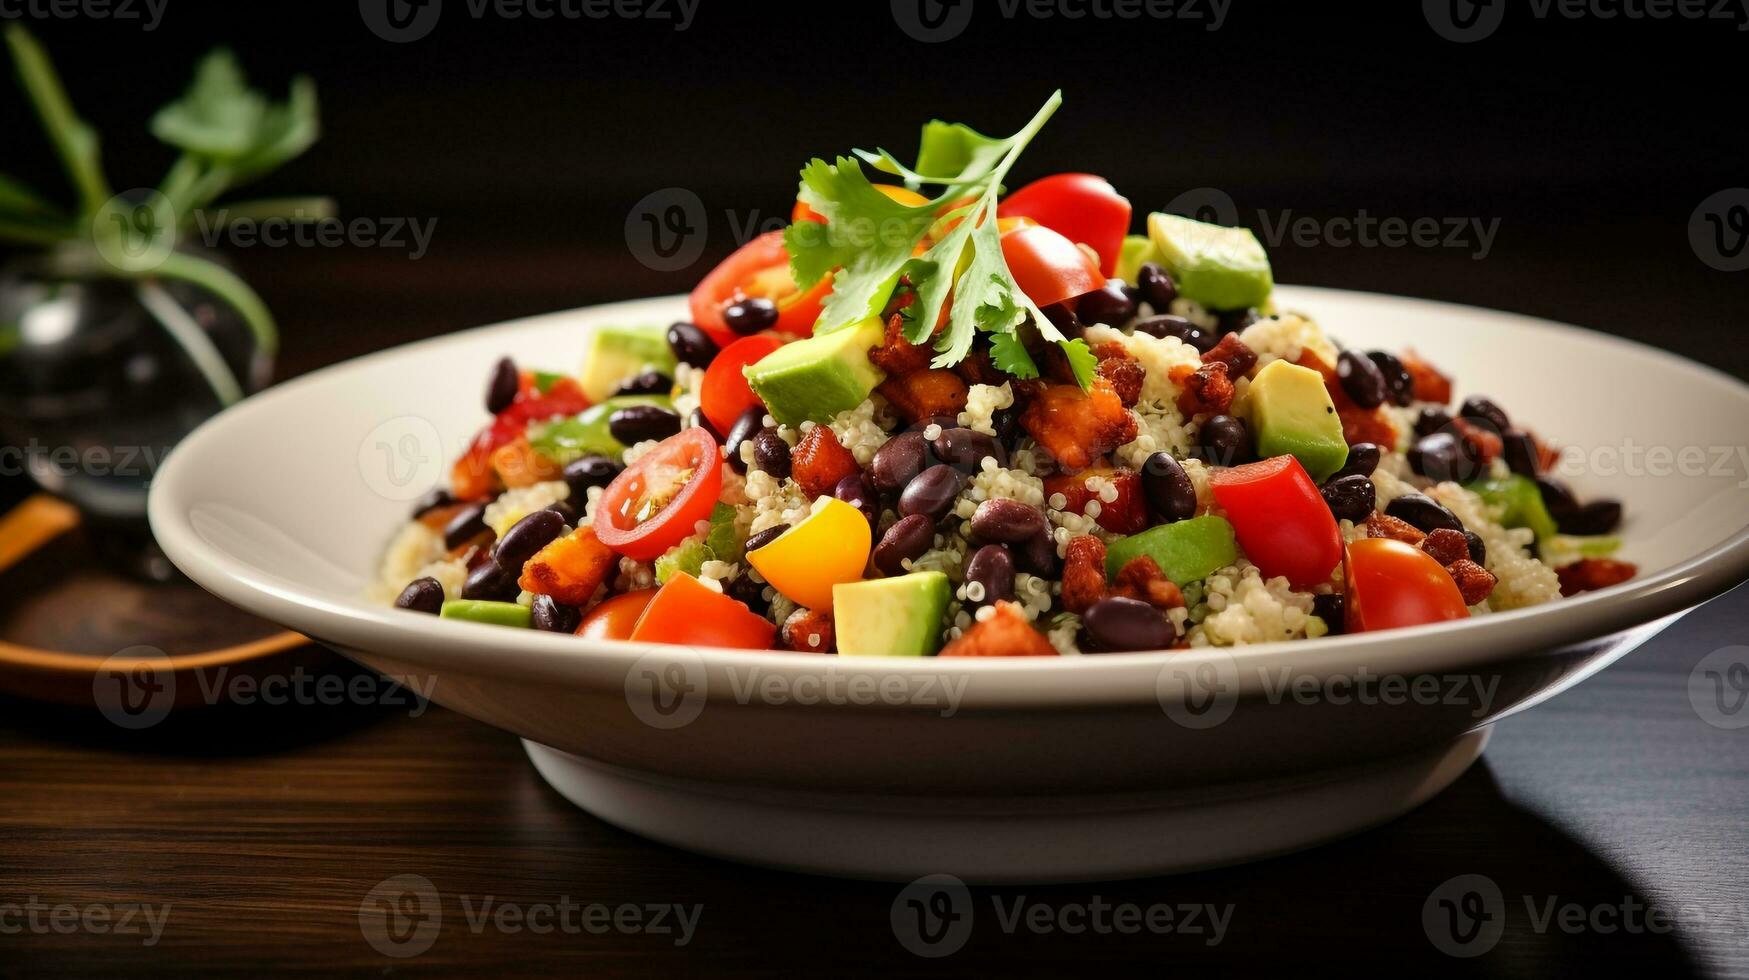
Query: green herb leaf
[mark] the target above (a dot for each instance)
(1081, 361)
(1009, 354)
(725, 539)
(868, 237)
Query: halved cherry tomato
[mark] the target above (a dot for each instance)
(687, 611)
(1048, 267)
(660, 499)
(724, 393)
(1280, 519)
(1391, 584)
(473, 476)
(902, 195)
(1084, 208)
(615, 618)
(758, 268)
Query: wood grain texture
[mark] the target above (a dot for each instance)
(264, 829)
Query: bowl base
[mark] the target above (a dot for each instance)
(1033, 840)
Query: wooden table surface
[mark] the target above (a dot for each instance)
(253, 835)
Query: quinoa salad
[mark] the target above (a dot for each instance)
(936, 417)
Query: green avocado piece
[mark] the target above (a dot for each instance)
(819, 377)
(1293, 415)
(586, 434)
(490, 613)
(1186, 551)
(891, 617)
(1523, 503)
(618, 353)
(1136, 250)
(1221, 268)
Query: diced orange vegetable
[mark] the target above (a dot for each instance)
(922, 394)
(1077, 427)
(1429, 384)
(819, 461)
(569, 569)
(1006, 633)
(518, 465)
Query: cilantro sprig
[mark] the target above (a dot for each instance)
(872, 242)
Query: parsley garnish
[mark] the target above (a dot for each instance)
(872, 240)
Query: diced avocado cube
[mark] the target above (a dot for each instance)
(491, 613)
(1522, 501)
(1292, 414)
(891, 617)
(1221, 268)
(1186, 551)
(1136, 250)
(618, 353)
(819, 377)
(587, 434)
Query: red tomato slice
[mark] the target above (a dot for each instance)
(660, 499)
(1280, 519)
(1083, 207)
(758, 268)
(1391, 584)
(724, 394)
(1048, 267)
(615, 618)
(686, 611)
(472, 476)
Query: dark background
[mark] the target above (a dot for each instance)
(529, 142)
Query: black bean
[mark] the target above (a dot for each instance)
(932, 492)
(966, 449)
(1362, 379)
(1180, 328)
(908, 538)
(422, 595)
(1007, 521)
(1062, 316)
(697, 420)
(648, 383)
(553, 616)
(1519, 450)
(1398, 381)
(1171, 495)
(526, 537)
(1233, 321)
(589, 471)
(858, 491)
(691, 345)
(491, 581)
(437, 497)
(898, 461)
(636, 423)
(1557, 499)
(1225, 441)
(1478, 409)
(1006, 422)
(1119, 624)
(501, 390)
(771, 453)
(1596, 517)
(765, 537)
(993, 568)
(1431, 420)
(1443, 456)
(1111, 305)
(1350, 498)
(1363, 459)
(750, 592)
(751, 315)
(1329, 608)
(464, 526)
(1425, 513)
(1038, 556)
(1156, 286)
(565, 511)
(1478, 549)
(746, 425)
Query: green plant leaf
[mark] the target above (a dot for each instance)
(18, 200)
(234, 132)
(74, 141)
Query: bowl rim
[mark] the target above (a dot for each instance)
(1025, 681)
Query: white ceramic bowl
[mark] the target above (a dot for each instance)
(1024, 770)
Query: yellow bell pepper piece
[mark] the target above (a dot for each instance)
(828, 547)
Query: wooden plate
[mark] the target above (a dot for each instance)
(65, 616)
